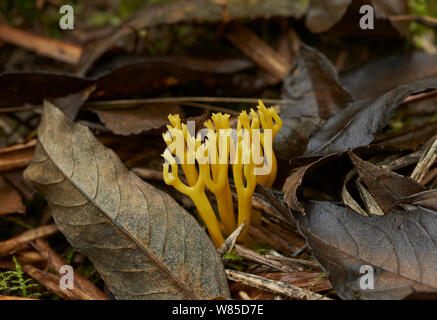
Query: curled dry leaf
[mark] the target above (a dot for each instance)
(361, 121)
(313, 85)
(72, 103)
(400, 247)
(426, 199)
(143, 244)
(385, 186)
(300, 174)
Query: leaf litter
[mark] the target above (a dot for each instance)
(355, 190)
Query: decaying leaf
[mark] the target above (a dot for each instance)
(143, 244)
(385, 186)
(10, 199)
(314, 87)
(347, 197)
(315, 169)
(322, 14)
(136, 120)
(361, 121)
(376, 77)
(426, 199)
(72, 103)
(400, 247)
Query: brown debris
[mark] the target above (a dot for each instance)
(17, 156)
(18, 242)
(56, 262)
(56, 49)
(260, 52)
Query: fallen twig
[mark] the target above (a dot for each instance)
(56, 49)
(18, 242)
(259, 258)
(427, 21)
(17, 156)
(310, 263)
(51, 282)
(260, 52)
(127, 103)
(425, 162)
(56, 262)
(229, 243)
(273, 286)
(14, 298)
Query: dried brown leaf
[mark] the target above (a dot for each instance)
(10, 199)
(143, 244)
(136, 120)
(385, 186)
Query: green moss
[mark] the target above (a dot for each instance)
(232, 257)
(16, 281)
(70, 256)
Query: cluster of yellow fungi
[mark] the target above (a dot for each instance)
(213, 173)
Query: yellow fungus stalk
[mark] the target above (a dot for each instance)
(197, 193)
(219, 184)
(244, 176)
(251, 153)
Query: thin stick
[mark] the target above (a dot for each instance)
(56, 49)
(427, 21)
(14, 298)
(18, 242)
(210, 107)
(51, 282)
(425, 162)
(294, 260)
(124, 102)
(259, 258)
(429, 177)
(56, 262)
(258, 51)
(273, 286)
(281, 209)
(229, 243)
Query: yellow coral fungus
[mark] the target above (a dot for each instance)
(251, 154)
(219, 184)
(197, 193)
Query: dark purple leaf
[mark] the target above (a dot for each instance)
(385, 186)
(401, 248)
(314, 87)
(361, 121)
